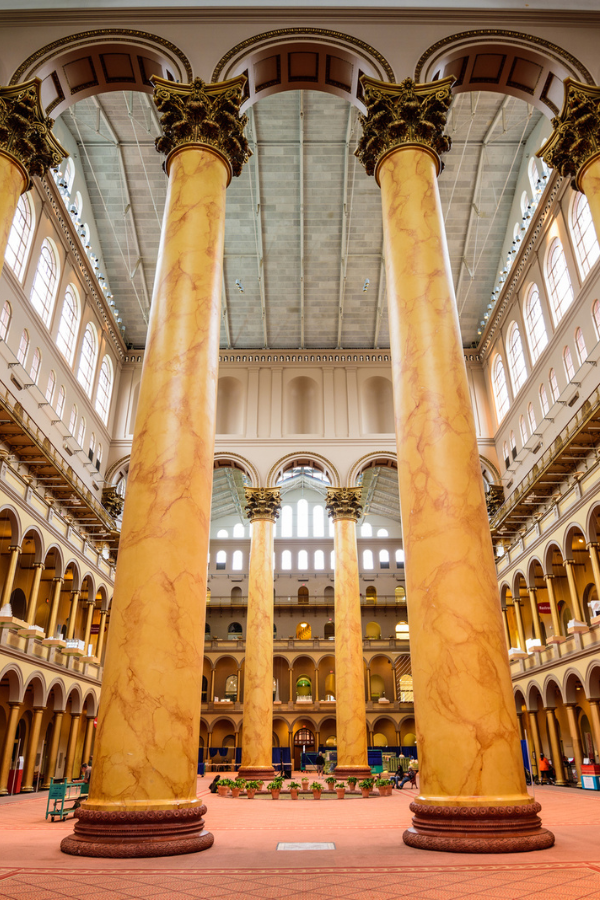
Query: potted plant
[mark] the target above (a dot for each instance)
(316, 787)
(223, 787)
(352, 782)
(251, 788)
(236, 786)
(340, 790)
(389, 787)
(365, 785)
(275, 788)
(330, 781)
(294, 787)
(304, 781)
(380, 785)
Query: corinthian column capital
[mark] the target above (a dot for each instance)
(263, 503)
(575, 141)
(203, 115)
(403, 115)
(344, 503)
(26, 132)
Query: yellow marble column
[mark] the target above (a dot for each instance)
(595, 561)
(73, 615)
(27, 147)
(576, 740)
(574, 593)
(595, 711)
(91, 606)
(262, 509)
(535, 615)
(38, 568)
(344, 508)
(520, 628)
(535, 742)
(101, 633)
(506, 627)
(146, 754)
(34, 739)
(555, 745)
(9, 741)
(58, 583)
(87, 741)
(72, 746)
(54, 744)
(10, 575)
(462, 683)
(558, 636)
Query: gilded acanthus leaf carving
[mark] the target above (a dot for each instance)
(405, 113)
(25, 131)
(344, 503)
(263, 503)
(576, 136)
(201, 113)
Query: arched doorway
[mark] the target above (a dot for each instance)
(371, 595)
(304, 739)
(303, 594)
(303, 631)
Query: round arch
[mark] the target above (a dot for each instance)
(60, 694)
(34, 534)
(549, 551)
(534, 697)
(515, 591)
(533, 562)
(505, 62)
(292, 59)
(37, 683)
(16, 532)
(91, 584)
(59, 559)
(571, 533)
(550, 690)
(303, 459)
(76, 698)
(304, 719)
(489, 470)
(222, 720)
(225, 460)
(77, 581)
(15, 683)
(383, 458)
(98, 62)
(569, 686)
(592, 680)
(592, 531)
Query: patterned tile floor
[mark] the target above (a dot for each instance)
(370, 860)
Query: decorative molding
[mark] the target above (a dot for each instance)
(263, 503)
(575, 141)
(112, 502)
(26, 135)
(116, 465)
(322, 356)
(303, 455)
(241, 462)
(344, 503)
(358, 468)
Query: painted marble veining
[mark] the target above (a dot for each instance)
(466, 721)
(12, 185)
(148, 731)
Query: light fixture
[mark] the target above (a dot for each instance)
(366, 284)
(240, 286)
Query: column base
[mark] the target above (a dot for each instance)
(257, 773)
(477, 829)
(132, 835)
(347, 771)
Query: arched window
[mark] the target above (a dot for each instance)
(533, 175)
(384, 559)
(23, 347)
(302, 561)
(70, 174)
(580, 345)
(302, 525)
(553, 385)
(524, 202)
(238, 530)
(73, 420)
(513, 444)
(531, 417)
(367, 559)
(50, 386)
(544, 399)
(399, 558)
(595, 317)
(60, 402)
(516, 358)
(568, 363)
(586, 243)
(286, 521)
(500, 388)
(92, 447)
(505, 454)
(6, 316)
(559, 281)
(523, 430)
(382, 532)
(69, 323)
(318, 521)
(319, 560)
(87, 360)
(222, 533)
(366, 529)
(19, 239)
(103, 394)
(332, 560)
(43, 290)
(534, 323)
(99, 457)
(221, 559)
(237, 561)
(36, 364)
(81, 432)
(286, 559)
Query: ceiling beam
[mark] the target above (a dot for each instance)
(258, 236)
(344, 248)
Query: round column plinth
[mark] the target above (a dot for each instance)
(257, 773)
(130, 835)
(349, 771)
(477, 829)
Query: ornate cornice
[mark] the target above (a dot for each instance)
(203, 114)
(403, 114)
(26, 132)
(344, 503)
(263, 503)
(575, 141)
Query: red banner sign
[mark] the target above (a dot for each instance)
(95, 629)
(544, 608)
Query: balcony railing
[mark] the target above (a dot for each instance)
(311, 600)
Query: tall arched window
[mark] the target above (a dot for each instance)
(568, 363)
(23, 347)
(366, 529)
(559, 280)
(43, 290)
(221, 559)
(553, 385)
(69, 323)
(104, 391)
(81, 432)
(586, 243)
(533, 175)
(238, 530)
(506, 454)
(332, 560)
(302, 560)
(60, 402)
(99, 457)
(73, 419)
(319, 560)
(384, 559)
(70, 174)
(237, 561)
(534, 323)
(531, 418)
(50, 386)
(286, 559)
(513, 444)
(92, 447)
(367, 559)
(19, 239)
(382, 532)
(6, 316)
(580, 344)
(36, 364)
(516, 358)
(595, 317)
(302, 525)
(500, 388)
(286, 521)
(523, 430)
(399, 558)
(544, 399)
(87, 360)
(318, 521)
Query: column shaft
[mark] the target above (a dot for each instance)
(58, 583)
(12, 568)
(520, 629)
(573, 728)
(558, 636)
(72, 746)
(577, 613)
(34, 739)
(87, 741)
(9, 740)
(555, 745)
(595, 711)
(33, 596)
(73, 615)
(100, 643)
(54, 744)
(88, 623)
(595, 561)
(535, 741)
(535, 614)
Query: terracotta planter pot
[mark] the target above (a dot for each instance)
(352, 788)
(316, 795)
(340, 793)
(365, 792)
(294, 793)
(275, 795)
(222, 791)
(305, 785)
(250, 792)
(330, 788)
(262, 786)
(235, 792)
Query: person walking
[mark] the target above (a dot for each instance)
(320, 761)
(544, 770)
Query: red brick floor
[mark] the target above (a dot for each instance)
(370, 860)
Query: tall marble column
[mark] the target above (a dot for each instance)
(146, 754)
(262, 509)
(54, 744)
(101, 632)
(27, 148)
(344, 508)
(30, 756)
(72, 746)
(595, 711)
(535, 615)
(576, 740)
(10, 575)
(9, 741)
(555, 745)
(569, 565)
(558, 636)
(462, 684)
(58, 583)
(535, 740)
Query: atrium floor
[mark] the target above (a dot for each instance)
(369, 860)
